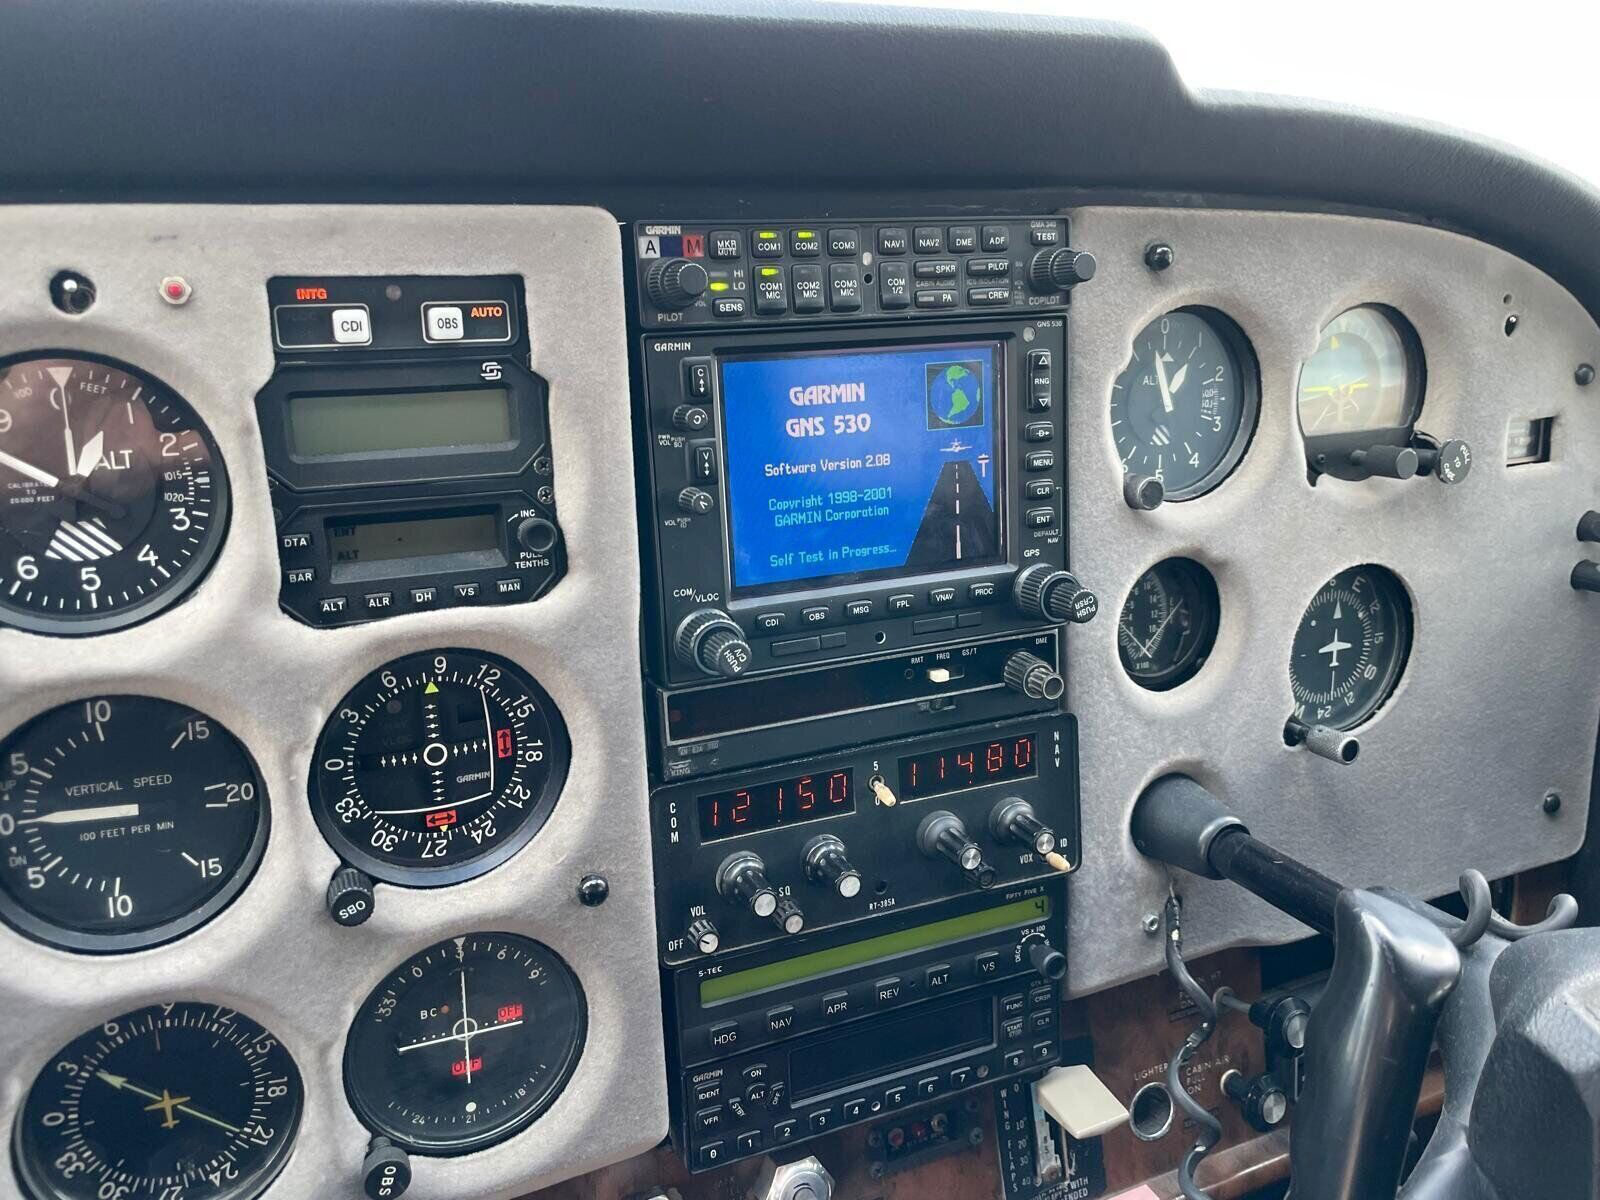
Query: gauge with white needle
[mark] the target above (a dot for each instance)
(1168, 624)
(465, 1043)
(1351, 647)
(125, 821)
(1184, 408)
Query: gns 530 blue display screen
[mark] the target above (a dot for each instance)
(861, 464)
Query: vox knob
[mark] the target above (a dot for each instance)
(827, 863)
(1060, 269)
(703, 936)
(1045, 591)
(676, 283)
(709, 639)
(742, 879)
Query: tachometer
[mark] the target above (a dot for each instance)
(1351, 648)
(438, 766)
(113, 497)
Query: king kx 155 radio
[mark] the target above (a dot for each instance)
(407, 446)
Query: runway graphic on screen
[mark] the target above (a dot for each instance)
(958, 523)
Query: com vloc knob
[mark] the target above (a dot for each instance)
(676, 283)
(1060, 269)
(703, 936)
(1014, 820)
(709, 639)
(1056, 595)
(691, 418)
(1044, 958)
(1033, 677)
(827, 863)
(942, 835)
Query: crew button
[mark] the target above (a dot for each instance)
(902, 602)
(936, 268)
(805, 243)
(989, 297)
(769, 622)
(1040, 460)
(723, 243)
(894, 285)
(859, 610)
(937, 298)
(766, 243)
(963, 239)
(710, 1155)
(844, 287)
(941, 595)
(844, 243)
(818, 614)
(996, 238)
(806, 279)
(928, 239)
(772, 293)
(891, 240)
(378, 600)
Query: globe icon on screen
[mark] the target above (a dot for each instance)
(955, 395)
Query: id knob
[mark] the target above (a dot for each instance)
(709, 639)
(1060, 269)
(676, 283)
(1045, 591)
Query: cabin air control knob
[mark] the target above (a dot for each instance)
(742, 879)
(709, 639)
(1060, 269)
(676, 283)
(1045, 591)
(826, 863)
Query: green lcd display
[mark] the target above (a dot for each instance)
(854, 954)
(378, 422)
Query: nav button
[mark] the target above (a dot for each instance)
(780, 1020)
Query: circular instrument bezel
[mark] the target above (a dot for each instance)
(1391, 591)
(66, 937)
(413, 973)
(261, 1057)
(1197, 582)
(451, 870)
(1241, 356)
(1328, 453)
(184, 581)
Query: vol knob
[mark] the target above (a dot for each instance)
(826, 862)
(676, 283)
(742, 879)
(350, 896)
(696, 500)
(709, 639)
(1060, 269)
(1045, 591)
(703, 936)
(1033, 677)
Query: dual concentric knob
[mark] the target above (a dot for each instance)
(1045, 591)
(711, 640)
(1060, 269)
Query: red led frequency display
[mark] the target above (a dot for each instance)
(962, 767)
(781, 802)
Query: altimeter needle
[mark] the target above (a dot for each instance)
(32, 472)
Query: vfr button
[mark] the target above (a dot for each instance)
(806, 280)
(708, 1119)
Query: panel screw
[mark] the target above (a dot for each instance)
(593, 890)
(72, 293)
(1552, 803)
(1584, 375)
(1158, 256)
(1151, 924)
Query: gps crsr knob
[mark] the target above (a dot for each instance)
(676, 283)
(1045, 591)
(1059, 269)
(709, 639)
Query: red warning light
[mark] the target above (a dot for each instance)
(510, 1012)
(442, 819)
(694, 245)
(503, 746)
(461, 1066)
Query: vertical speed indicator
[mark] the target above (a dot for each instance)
(438, 766)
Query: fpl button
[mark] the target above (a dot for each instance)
(352, 326)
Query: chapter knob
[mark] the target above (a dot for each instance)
(1061, 268)
(703, 935)
(1045, 591)
(709, 639)
(826, 862)
(1033, 677)
(742, 879)
(350, 897)
(676, 283)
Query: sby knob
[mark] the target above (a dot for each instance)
(709, 639)
(826, 862)
(676, 283)
(703, 936)
(742, 879)
(1045, 591)
(1033, 677)
(1060, 269)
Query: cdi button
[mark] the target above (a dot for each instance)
(352, 326)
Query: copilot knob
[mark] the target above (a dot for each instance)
(742, 879)
(1033, 677)
(709, 639)
(788, 917)
(1044, 958)
(1060, 269)
(703, 936)
(1045, 591)
(827, 863)
(386, 1170)
(942, 835)
(350, 896)
(676, 283)
(1014, 820)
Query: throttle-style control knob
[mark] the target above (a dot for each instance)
(1589, 527)
(942, 835)
(709, 639)
(703, 936)
(1262, 1100)
(788, 917)
(742, 879)
(1013, 820)
(676, 283)
(1045, 958)
(1033, 677)
(1045, 591)
(827, 863)
(1586, 576)
(1060, 269)
(350, 896)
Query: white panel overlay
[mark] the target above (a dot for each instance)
(231, 653)
(1500, 700)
